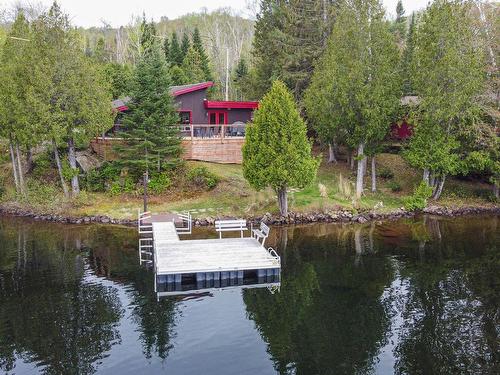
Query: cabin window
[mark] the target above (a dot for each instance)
(185, 117)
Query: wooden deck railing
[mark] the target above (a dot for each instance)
(218, 131)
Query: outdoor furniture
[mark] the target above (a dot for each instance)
(261, 234)
(230, 226)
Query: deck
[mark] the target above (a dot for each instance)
(210, 261)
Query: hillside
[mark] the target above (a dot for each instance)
(220, 30)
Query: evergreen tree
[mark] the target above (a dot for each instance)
(185, 45)
(152, 136)
(192, 67)
(121, 79)
(16, 117)
(276, 152)
(148, 35)
(178, 76)
(267, 51)
(240, 78)
(71, 91)
(166, 49)
(100, 51)
(356, 90)
(174, 52)
(198, 46)
(400, 12)
(400, 23)
(289, 37)
(448, 76)
(407, 59)
(303, 41)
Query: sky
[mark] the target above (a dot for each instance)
(88, 13)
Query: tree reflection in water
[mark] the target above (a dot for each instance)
(330, 316)
(155, 319)
(426, 288)
(49, 313)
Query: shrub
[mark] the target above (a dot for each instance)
(122, 185)
(385, 173)
(201, 177)
(42, 166)
(395, 186)
(418, 201)
(159, 183)
(102, 178)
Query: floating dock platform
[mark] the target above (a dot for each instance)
(208, 263)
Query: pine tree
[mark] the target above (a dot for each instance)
(174, 52)
(289, 37)
(267, 51)
(100, 51)
(148, 35)
(448, 72)
(192, 67)
(400, 23)
(240, 78)
(152, 136)
(166, 50)
(303, 41)
(276, 152)
(198, 46)
(185, 45)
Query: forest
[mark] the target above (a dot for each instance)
(331, 75)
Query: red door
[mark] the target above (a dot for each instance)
(217, 117)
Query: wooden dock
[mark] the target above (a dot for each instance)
(210, 262)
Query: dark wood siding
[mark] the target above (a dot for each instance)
(193, 101)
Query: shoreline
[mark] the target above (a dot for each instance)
(341, 216)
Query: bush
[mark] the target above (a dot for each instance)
(159, 183)
(395, 186)
(385, 173)
(201, 177)
(122, 185)
(418, 201)
(99, 180)
(39, 194)
(42, 166)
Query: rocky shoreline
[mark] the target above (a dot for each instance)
(343, 216)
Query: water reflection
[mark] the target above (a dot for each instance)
(416, 296)
(51, 313)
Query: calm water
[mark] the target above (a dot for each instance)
(420, 296)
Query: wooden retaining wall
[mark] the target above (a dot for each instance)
(215, 150)
(224, 151)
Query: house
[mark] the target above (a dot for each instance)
(211, 131)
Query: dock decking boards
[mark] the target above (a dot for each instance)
(210, 259)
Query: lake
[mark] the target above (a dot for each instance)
(415, 296)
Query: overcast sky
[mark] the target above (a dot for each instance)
(119, 12)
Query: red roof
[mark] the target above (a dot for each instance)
(181, 90)
(229, 104)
